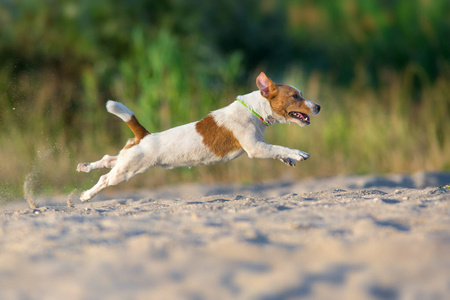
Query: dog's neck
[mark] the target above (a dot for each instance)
(260, 105)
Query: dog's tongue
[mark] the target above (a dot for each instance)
(300, 116)
(303, 116)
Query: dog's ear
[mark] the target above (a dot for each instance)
(266, 86)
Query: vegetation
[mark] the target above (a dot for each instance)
(379, 69)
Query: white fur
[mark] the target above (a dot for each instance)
(119, 110)
(183, 145)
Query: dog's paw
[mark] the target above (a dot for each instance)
(300, 155)
(83, 167)
(289, 161)
(85, 197)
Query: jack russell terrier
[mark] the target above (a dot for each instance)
(221, 136)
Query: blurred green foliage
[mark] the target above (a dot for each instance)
(379, 68)
(332, 36)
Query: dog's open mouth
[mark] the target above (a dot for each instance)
(300, 116)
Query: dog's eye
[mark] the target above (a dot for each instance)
(295, 96)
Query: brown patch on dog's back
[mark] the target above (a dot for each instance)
(218, 139)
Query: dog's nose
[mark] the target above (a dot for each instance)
(317, 109)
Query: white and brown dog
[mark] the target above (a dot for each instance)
(221, 136)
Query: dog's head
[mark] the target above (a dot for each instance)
(287, 102)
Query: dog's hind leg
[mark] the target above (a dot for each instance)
(106, 162)
(101, 184)
(114, 177)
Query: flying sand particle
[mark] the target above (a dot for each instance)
(28, 189)
(70, 197)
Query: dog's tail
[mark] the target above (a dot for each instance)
(128, 117)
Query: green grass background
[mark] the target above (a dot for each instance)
(379, 69)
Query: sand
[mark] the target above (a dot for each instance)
(354, 237)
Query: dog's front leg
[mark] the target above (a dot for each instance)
(286, 155)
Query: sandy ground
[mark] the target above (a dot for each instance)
(357, 237)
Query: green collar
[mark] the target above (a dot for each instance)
(254, 112)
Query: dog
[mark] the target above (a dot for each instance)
(221, 136)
